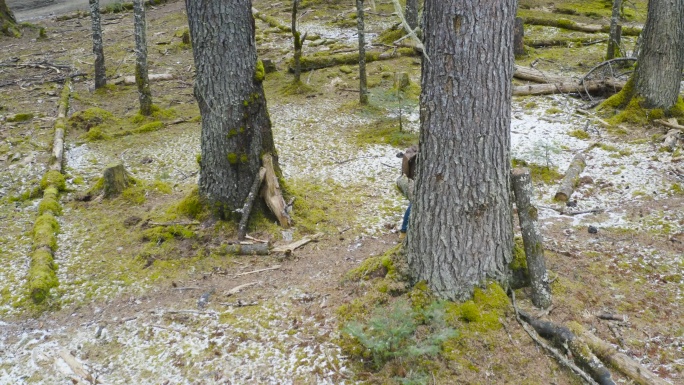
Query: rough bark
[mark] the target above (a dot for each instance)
(532, 238)
(141, 77)
(411, 14)
(519, 37)
(615, 31)
(660, 62)
(363, 84)
(236, 128)
(571, 178)
(98, 46)
(461, 223)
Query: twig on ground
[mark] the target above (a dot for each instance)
(276, 267)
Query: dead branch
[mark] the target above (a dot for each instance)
(248, 249)
(294, 245)
(670, 124)
(276, 267)
(572, 86)
(239, 288)
(130, 80)
(179, 223)
(247, 207)
(270, 191)
(77, 367)
(612, 317)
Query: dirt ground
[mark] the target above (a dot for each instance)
(129, 306)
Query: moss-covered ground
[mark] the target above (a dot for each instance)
(132, 270)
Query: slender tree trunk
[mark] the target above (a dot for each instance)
(615, 31)
(661, 58)
(411, 13)
(236, 128)
(141, 78)
(98, 47)
(460, 232)
(363, 87)
(298, 43)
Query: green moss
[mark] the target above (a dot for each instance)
(41, 275)
(385, 131)
(519, 261)
(161, 234)
(49, 204)
(538, 172)
(579, 134)
(44, 232)
(244, 158)
(259, 71)
(20, 117)
(483, 311)
(89, 118)
(369, 268)
(677, 189)
(389, 36)
(232, 158)
(345, 69)
(296, 88)
(53, 178)
(94, 134)
(192, 206)
(149, 127)
(162, 187)
(135, 194)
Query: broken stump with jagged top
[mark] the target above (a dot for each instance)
(115, 180)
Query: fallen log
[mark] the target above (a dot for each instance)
(248, 249)
(575, 26)
(617, 360)
(571, 86)
(563, 42)
(130, 80)
(532, 238)
(270, 191)
(564, 337)
(537, 76)
(571, 178)
(60, 129)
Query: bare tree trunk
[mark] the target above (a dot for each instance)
(460, 232)
(98, 47)
(411, 14)
(141, 78)
(532, 238)
(661, 59)
(298, 44)
(236, 129)
(615, 31)
(363, 88)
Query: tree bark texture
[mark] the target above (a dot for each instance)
(519, 37)
(615, 31)
(141, 77)
(460, 231)
(661, 58)
(411, 14)
(236, 128)
(532, 238)
(98, 46)
(363, 87)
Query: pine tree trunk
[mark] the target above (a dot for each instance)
(615, 31)
(661, 58)
(141, 77)
(236, 128)
(363, 87)
(460, 232)
(411, 13)
(98, 47)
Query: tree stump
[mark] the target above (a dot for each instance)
(115, 180)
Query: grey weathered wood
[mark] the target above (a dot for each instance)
(60, 129)
(98, 47)
(248, 249)
(271, 193)
(363, 83)
(532, 238)
(661, 58)
(236, 128)
(460, 226)
(615, 31)
(571, 178)
(519, 37)
(141, 77)
(115, 180)
(572, 86)
(249, 202)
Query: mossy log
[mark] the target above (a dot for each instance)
(563, 42)
(319, 61)
(626, 365)
(248, 249)
(563, 337)
(575, 26)
(270, 191)
(571, 178)
(115, 180)
(532, 238)
(571, 86)
(60, 129)
(270, 20)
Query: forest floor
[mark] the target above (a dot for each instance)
(127, 302)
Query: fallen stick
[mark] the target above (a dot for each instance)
(130, 80)
(294, 245)
(571, 178)
(249, 202)
(612, 317)
(248, 249)
(77, 367)
(181, 223)
(239, 303)
(276, 267)
(238, 289)
(255, 239)
(669, 124)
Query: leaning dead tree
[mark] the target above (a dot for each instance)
(141, 77)
(532, 238)
(363, 87)
(98, 47)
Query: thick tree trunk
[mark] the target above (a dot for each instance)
(661, 58)
(141, 77)
(460, 233)
(411, 14)
(98, 47)
(532, 238)
(363, 88)
(236, 129)
(615, 31)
